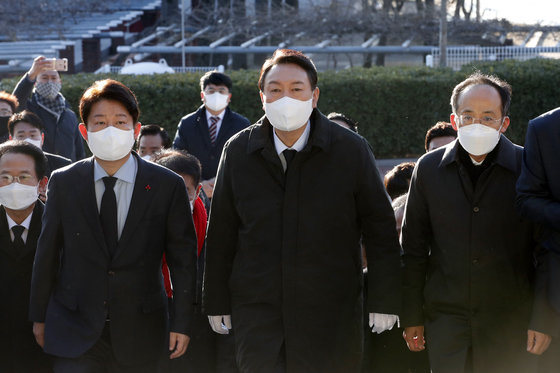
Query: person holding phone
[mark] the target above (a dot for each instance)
(39, 91)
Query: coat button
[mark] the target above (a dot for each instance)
(111, 273)
(476, 209)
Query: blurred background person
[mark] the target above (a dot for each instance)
(397, 180)
(152, 139)
(204, 132)
(39, 91)
(344, 121)
(8, 106)
(442, 133)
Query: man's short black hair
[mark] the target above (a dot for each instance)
(440, 129)
(397, 180)
(23, 147)
(154, 129)
(477, 78)
(287, 56)
(24, 116)
(180, 162)
(343, 118)
(216, 78)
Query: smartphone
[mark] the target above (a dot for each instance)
(59, 64)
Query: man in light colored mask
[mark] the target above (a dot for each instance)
(113, 215)
(294, 194)
(27, 126)
(204, 132)
(469, 295)
(22, 170)
(39, 91)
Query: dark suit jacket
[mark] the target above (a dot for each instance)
(76, 285)
(538, 198)
(18, 350)
(54, 162)
(283, 249)
(193, 136)
(468, 255)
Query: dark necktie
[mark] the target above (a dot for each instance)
(213, 129)
(108, 214)
(18, 240)
(289, 154)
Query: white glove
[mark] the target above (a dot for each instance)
(379, 322)
(220, 324)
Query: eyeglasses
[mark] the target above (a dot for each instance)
(7, 179)
(487, 120)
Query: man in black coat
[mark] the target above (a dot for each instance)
(22, 169)
(538, 198)
(98, 300)
(204, 132)
(39, 91)
(468, 275)
(294, 194)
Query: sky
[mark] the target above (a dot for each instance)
(522, 11)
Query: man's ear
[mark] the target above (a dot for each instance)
(43, 182)
(10, 137)
(505, 125)
(137, 127)
(315, 97)
(42, 139)
(262, 99)
(83, 131)
(201, 96)
(452, 119)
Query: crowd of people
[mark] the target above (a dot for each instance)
(277, 246)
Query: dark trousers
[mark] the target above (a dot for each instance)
(100, 359)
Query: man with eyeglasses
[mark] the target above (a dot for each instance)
(22, 173)
(204, 132)
(469, 257)
(8, 105)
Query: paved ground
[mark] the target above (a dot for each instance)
(384, 165)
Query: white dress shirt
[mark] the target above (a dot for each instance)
(218, 123)
(26, 223)
(298, 146)
(126, 175)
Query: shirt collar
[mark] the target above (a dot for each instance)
(220, 116)
(299, 144)
(126, 173)
(26, 223)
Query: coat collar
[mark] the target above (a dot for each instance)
(260, 135)
(505, 157)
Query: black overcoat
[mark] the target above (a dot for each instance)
(283, 250)
(469, 262)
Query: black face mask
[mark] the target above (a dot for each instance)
(3, 126)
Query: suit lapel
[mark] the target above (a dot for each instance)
(89, 203)
(5, 238)
(142, 196)
(202, 126)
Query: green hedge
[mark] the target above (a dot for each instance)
(394, 106)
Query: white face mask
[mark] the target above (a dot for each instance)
(18, 196)
(110, 144)
(288, 114)
(478, 139)
(147, 157)
(216, 101)
(37, 143)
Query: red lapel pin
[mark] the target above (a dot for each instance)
(148, 188)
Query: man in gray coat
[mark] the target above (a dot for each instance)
(468, 275)
(294, 194)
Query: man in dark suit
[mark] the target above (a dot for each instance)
(204, 132)
(98, 300)
(538, 198)
(22, 170)
(294, 194)
(27, 126)
(468, 274)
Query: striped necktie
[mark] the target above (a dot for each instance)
(213, 129)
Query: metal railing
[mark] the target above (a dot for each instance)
(459, 56)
